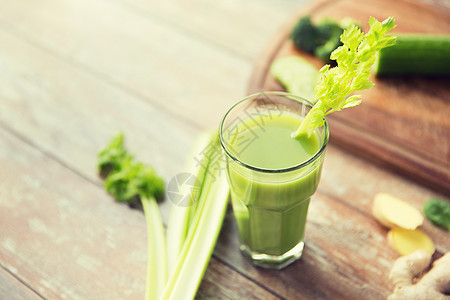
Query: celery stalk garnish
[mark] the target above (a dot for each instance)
(354, 60)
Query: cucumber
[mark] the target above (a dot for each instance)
(297, 75)
(415, 54)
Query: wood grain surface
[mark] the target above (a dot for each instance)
(73, 73)
(403, 122)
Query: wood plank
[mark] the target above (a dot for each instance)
(402, 122)
(12, 288)
(182, 74)
(74, 120)
(236, 25)
(220, 282)
(66, 238)
(61, 234)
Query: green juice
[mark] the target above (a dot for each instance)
(271, 195)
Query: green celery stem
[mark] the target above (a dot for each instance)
(305, 127)
(157, 261)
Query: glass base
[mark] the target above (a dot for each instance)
(274, 261)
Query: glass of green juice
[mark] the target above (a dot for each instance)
(272, 175)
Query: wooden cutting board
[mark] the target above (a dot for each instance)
(403, 123)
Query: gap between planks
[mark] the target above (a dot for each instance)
(26, 289)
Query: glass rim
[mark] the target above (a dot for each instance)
(281, 170)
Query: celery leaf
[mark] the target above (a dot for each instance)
(354, 60)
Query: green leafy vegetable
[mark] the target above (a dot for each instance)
(354, 59)
(129, 181)
(111, 158)
(438, 212)
(134, 179)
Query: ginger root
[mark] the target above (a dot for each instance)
(407, 241)
(393, 212)
(408, 285)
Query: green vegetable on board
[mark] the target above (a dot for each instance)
(329, 33)
(415, 54)
(319, 39)
(304, 35)
(438, 212)
(354, 59)
(296, 74)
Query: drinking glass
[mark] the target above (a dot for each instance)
(270, 204)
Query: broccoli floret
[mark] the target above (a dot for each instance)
(328, 28)
(329, 33)
(320, 39)
(324, 51)
(304, 35)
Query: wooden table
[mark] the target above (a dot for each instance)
(73, 73)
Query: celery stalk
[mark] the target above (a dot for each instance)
(129, 181)
(354, 60)
(203, 230)
(179, 219)
(157, 263)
